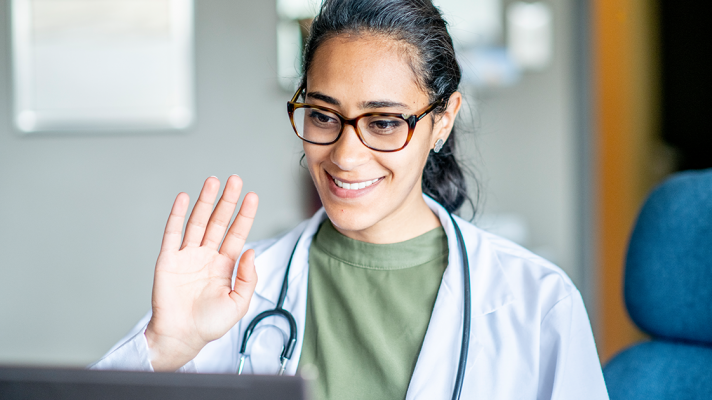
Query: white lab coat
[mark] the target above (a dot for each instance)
(530, 338)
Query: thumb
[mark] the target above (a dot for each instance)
(245, 281)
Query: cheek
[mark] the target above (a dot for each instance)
(417, 152)
(314, 156)
(406, 168)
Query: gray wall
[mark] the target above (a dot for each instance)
(526, 154)
(81, 216)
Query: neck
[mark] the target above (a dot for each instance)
(412, 219)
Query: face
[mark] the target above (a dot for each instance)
(355, 76)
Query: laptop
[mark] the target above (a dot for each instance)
(27, 383)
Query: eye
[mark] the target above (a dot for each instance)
(385, 125)
(319, 118)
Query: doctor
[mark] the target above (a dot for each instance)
(375, 280)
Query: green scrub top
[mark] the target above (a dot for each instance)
(368, 308)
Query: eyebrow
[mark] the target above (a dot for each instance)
(364, 105)
(324, 98)
(382, 104)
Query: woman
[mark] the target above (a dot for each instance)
(376, 277)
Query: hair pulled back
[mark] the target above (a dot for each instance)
(419, 24)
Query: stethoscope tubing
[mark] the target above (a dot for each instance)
(466, 314)
(288, 350)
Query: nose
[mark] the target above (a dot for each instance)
(348, 152)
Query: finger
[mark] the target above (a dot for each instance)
(201, 213)
(237, 235)
(245, 280)
(221, 216)
(174, 226)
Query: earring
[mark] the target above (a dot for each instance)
(438, 145)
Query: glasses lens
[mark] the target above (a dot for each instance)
(315, 125)
(383, 132)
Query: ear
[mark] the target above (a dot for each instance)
(444, 125)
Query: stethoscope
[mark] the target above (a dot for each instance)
(292, 341)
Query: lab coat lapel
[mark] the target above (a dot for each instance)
(436, 368)
(271, 265)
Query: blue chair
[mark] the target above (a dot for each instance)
(668, 293)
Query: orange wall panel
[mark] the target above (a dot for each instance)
(624, 86)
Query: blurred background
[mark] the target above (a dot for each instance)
(574, 110)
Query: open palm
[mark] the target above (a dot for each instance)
(194, 299)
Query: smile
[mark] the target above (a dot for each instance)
(355, 185)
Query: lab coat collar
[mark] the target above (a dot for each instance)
(490, 288)
(272, 262)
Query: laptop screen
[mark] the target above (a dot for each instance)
(64, 384)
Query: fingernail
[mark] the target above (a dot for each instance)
(234, 175)
(213, 176)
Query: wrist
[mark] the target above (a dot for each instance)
(168, 353)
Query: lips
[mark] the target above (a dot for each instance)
(351, 189)
(354, 185)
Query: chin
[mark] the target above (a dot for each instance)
(351, 217)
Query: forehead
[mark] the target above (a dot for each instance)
(363, 68)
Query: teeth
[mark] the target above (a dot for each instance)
(354, 186)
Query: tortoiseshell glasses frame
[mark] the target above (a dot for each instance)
(410, 120)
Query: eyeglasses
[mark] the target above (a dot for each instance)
(387, 132)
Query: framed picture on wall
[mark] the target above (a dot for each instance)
(102, 65)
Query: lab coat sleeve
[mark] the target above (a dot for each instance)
(132, 354)
(571, 368)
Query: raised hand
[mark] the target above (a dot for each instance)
(194, 301)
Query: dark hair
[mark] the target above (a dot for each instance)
(419, 24)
